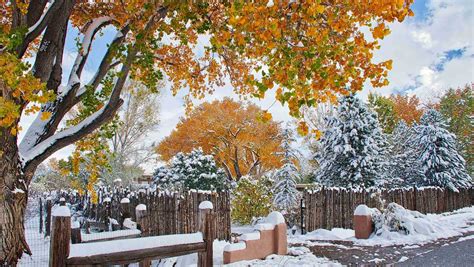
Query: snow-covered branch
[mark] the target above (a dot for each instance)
(38, 27)
(93, 27)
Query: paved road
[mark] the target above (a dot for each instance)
(456, 254)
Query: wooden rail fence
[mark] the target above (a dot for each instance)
(137, 249)
(334, 207)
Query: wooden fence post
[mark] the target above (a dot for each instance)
(124, 210)
(76, 233)
(41, 215)
(47, 219)
(206, 225)
(60, 237)
(140, 212)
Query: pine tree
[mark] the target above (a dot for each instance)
(353, 148)
(286, 195)
(435, 148)
(403, 166)
(193, 170)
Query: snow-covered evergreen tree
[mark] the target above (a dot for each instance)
(435, 148)
(193, 170)
(285, 193)
(353, 148)
(403, 166)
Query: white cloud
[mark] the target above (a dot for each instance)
(417, 47)
(423, 37)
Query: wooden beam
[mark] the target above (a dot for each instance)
(138, 255)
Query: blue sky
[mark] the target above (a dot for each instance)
(431, 52)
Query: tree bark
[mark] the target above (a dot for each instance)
(13, 199)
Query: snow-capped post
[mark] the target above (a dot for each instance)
(124, 210)
(363, 222)
(47, 219)
(140, 212)
(206, 227)
(60, 237)
(108, 211)
(62, 202)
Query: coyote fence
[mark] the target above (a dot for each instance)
(167, 212)
(330, 207)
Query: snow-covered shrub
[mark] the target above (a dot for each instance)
(396, 218)
(193, 170)
(353, 147)
(252, 198)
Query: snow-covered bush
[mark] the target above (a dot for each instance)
(435, 149)
(193, 170)
(396, 218)
(252, 198)
(353, 148)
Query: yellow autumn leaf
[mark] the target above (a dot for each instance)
(266, 116)
(302, 128)
(45, 115)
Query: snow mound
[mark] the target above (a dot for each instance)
(395, 218)
(125, 200)
(128, 223)
(141, 207)
(206, 205)
(275, 218)
(362, 210)
(61, 211)
(250, 236)
(107, 199)
(264, 226)
(334, 234)
(235, 246)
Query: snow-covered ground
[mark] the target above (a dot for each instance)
(429, 228)
(435, 226)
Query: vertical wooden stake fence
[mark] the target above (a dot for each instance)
(60, 237)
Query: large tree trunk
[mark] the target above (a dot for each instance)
(13, 198)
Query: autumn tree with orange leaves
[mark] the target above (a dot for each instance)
(241, 140)
(390, 110)
(308, 50)
(407, 108)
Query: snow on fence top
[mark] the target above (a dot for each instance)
(235, 246)
(362, 210)
(109, 235)
(371, 189)
(141, 207)
(206, 205)
(250, 236)
(264, 226)
(134, 244)
(61, 211)
(275, 218)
